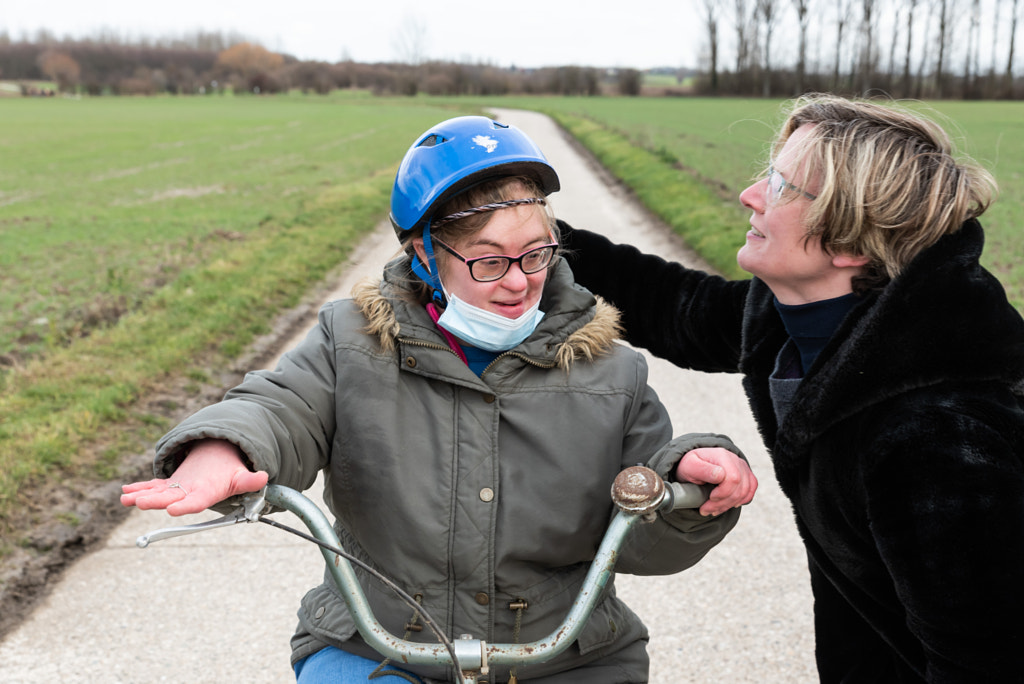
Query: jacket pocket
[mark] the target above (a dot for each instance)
(324, 615)
(612, 619)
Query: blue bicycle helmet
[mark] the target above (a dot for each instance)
(455, 155)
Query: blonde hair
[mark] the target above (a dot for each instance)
(890, 185)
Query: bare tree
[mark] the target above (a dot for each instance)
(45, 37)
(867, 45)
(976, 14)
(842, 17)
(781, 45)
(410, 43)
(892, 46)
(630, 82)
(819, 60)
(743, 40)
(1009, 59)
(995, 35)
(944, 25)
(925, 53)
(907, 88)
(973, 46)
(803, 14)
(711, 23)
(789, 44)
(765, 10)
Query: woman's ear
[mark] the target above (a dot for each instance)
(421, 252)
(850, 261)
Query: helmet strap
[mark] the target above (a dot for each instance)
(429, 273)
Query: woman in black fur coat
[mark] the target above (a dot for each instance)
(885, 369)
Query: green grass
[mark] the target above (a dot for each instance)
(691, 206)
(103, 201)
(143, 238)
(993, 134)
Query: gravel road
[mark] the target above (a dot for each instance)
(220, 606)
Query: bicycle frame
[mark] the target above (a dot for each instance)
(638, 493)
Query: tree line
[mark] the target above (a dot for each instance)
(905, 48)
(212, 63)
(773, 48)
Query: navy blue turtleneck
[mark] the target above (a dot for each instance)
(811, 325)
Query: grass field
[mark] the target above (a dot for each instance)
(138, 235)
(103, 201)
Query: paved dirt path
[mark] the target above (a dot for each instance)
(220, 606)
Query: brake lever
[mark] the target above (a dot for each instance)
(250, 507)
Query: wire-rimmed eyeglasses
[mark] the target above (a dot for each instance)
(493, 267)
(777, 185)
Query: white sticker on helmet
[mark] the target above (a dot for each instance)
(487, 142)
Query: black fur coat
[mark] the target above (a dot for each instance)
(902, 453)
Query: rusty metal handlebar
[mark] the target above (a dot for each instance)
(638, 493)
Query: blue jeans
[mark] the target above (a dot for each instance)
(333, 666)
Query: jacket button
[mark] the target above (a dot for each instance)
(482, 598)
(489, 398)
(487, 494)
(320, 612)
(410, 361)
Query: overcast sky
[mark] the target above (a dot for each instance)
(527, 33)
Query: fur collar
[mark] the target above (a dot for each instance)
(577, 326)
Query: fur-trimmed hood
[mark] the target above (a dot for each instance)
(576, 325)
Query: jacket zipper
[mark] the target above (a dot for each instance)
(527, 359)
(428, 345)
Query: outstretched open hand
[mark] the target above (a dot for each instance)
(213, 471)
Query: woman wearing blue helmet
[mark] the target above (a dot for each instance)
(476, 370)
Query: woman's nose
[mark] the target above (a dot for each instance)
(753, 197)
(514, 278)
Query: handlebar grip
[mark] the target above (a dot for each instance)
(688, 495)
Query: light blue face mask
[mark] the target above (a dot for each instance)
(487, 330)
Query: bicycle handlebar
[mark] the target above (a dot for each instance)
(638, 493)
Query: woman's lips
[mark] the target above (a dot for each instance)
(508, 309)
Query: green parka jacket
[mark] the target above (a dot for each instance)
(471, 492)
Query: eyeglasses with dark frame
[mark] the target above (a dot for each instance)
(777, 185)
(493, 267)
